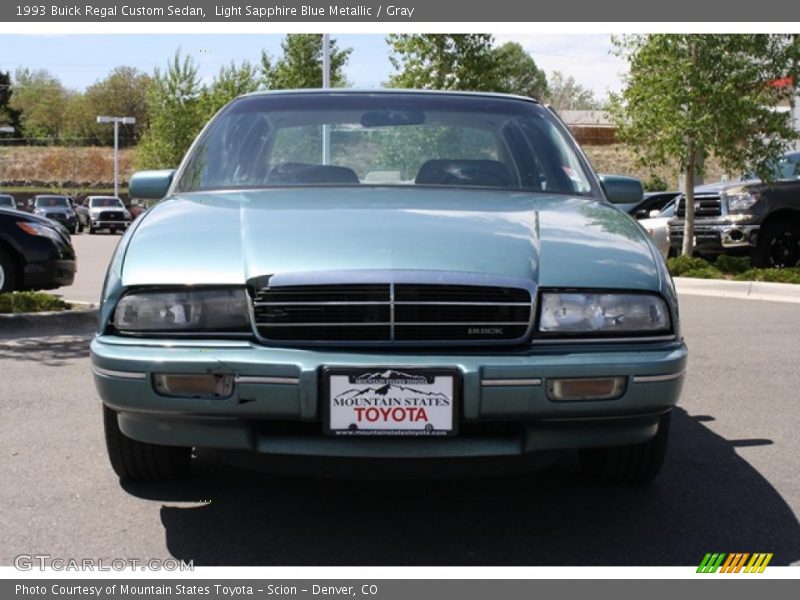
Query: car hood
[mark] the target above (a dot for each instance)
(719, 186)
(228, 238)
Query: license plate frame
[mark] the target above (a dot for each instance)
(415, 373)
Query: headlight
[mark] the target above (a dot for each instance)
(606, 314)
(739, 199)
(186, 310)
(39, 230)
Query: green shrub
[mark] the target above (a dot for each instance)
(655, 183)
(733, 265)
(703, 273)
(790, 275)
(20, 302)
(682, 264)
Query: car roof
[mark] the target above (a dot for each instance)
(387, 91)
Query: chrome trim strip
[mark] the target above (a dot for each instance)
(391, 313)
(133, 375)
(629, 340)
(398, 324)
(387, 303)
(657, 378)
(256, 380)
(511, 382)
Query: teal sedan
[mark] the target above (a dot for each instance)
(391, 277)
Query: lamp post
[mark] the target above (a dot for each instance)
(116, 121)
(4, 129)
(326, 83)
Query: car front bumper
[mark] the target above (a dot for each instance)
(275, 406)
(98, 224)
(717, 237)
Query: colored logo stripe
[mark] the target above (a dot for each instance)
(734, 562)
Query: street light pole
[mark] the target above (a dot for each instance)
(116, 121)
(326, 83)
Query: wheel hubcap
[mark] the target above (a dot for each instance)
(2, 277)
(785, 250)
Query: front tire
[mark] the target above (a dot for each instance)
(139, 461)
(778, 246)
(8, 272)
(637, 463)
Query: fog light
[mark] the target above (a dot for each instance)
(605, 388)
(194, 386)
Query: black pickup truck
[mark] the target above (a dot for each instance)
(747, 217)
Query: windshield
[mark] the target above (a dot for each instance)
(385, 139)
(787, 167)
(51, 201)
(7, 201)
(99, 202)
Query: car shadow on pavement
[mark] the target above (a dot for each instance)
(706, 499)
(51, 351)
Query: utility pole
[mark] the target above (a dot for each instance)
(116, 121)
(326, 83)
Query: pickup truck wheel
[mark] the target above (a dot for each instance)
(8, 272)
(778, 246)
(637, 463)
(138, 461)
(91, 230)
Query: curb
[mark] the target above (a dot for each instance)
(742, 290)
(49, 323)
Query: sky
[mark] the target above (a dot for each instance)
(80, 60)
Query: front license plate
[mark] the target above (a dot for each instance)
(390, 402)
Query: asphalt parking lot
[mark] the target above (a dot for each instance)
(731, 481)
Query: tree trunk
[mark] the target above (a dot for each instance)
(688, 224)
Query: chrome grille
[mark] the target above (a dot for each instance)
(705, 206)
(393, 313)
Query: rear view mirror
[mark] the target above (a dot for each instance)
(151, 185)
(622, 190)
(384, 118)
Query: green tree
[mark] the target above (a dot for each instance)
(564, 93)
(688, 96)
(231, 81)
(442, 62)
(175, 113)
(122, 93)
(41, 100)
(300, 65)
(8, 116)
(515, 72)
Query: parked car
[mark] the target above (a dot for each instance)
(35, 253)
(107, 212)
(7, 201)
(748, 217)
(657, 226)
(57, 208)
(652, 204)
(485, 302)
(81, 215)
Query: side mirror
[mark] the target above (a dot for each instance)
(152, 185)
(654, 213)
(622, 190)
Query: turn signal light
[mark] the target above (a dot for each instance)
(601, 388)
(194, 386)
